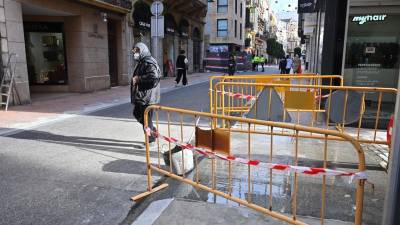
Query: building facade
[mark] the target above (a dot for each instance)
(225, 25)
(282, 34)
(257, 26)
(65, 46)
(183, 30)
(292, 39)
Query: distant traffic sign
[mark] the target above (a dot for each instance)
(157, 8)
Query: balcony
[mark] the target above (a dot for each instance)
(194, 9)
(247, 42)
(249, 25)
(120, 6)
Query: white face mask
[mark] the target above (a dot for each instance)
(136, 56)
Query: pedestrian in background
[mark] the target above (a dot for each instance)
(297, 64)
(145, 86)
(181, 66)
(282, 65)
(262, 62)
(231, 65)
(165, 64)
(289, 63)
(254, 62)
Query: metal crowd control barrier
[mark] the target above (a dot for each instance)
(314, 99)
(311, 79)
(176, 123)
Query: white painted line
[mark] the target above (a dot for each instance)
(152, 212)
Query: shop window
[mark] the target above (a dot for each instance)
(222, 28)
(240, 31)
(222, 6)
(235, 28)
(45, 53)
(236, 7)
(241, 10)
(373, 59)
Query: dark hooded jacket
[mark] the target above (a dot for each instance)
(147, 89)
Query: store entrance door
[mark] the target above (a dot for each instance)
(112, 52)
(196, 56)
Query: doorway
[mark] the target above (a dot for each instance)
(196, 49)
(112, 52)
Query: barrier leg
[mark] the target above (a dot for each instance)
(150, 189)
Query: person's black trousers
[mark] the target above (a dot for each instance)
(181, 74)
(283, 71)
(138, 113)
(287, 71)
(165, 69)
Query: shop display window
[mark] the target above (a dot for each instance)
(45, 55)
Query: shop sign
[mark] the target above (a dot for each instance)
(369, 18)
(370, 50)
(43, 27)
(170, 30)
(144, 24)
(218, 48)
(306, 6)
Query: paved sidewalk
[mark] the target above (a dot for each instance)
(55, 107)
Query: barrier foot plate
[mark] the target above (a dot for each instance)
(144, 194)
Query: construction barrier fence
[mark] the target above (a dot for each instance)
(310, 79)
(346, 108)
(231, 154)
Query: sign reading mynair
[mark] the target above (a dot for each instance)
(369, 18)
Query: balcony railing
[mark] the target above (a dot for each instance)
(121, 6)
(127, 4)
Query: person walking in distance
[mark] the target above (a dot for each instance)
(282, 65)
(165, 64)
(181, 66)
(262, 62)
(231, 65)
(254, 62)
(289, 63)
(297, 65)
(145, 86)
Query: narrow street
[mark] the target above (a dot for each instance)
(81, 170)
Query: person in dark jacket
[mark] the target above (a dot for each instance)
(282, 65)
(231, 65)
(145, 85)
(181, 65)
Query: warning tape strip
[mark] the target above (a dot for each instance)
(274, 166)
(251, 97)
(238, 95)
(321, 96)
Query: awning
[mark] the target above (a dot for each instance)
(184, 29)
(170, 24)
(142, 16)
(123, 6)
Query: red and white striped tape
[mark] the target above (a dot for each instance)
(280, 167)
(238, 95)
(322, 96)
